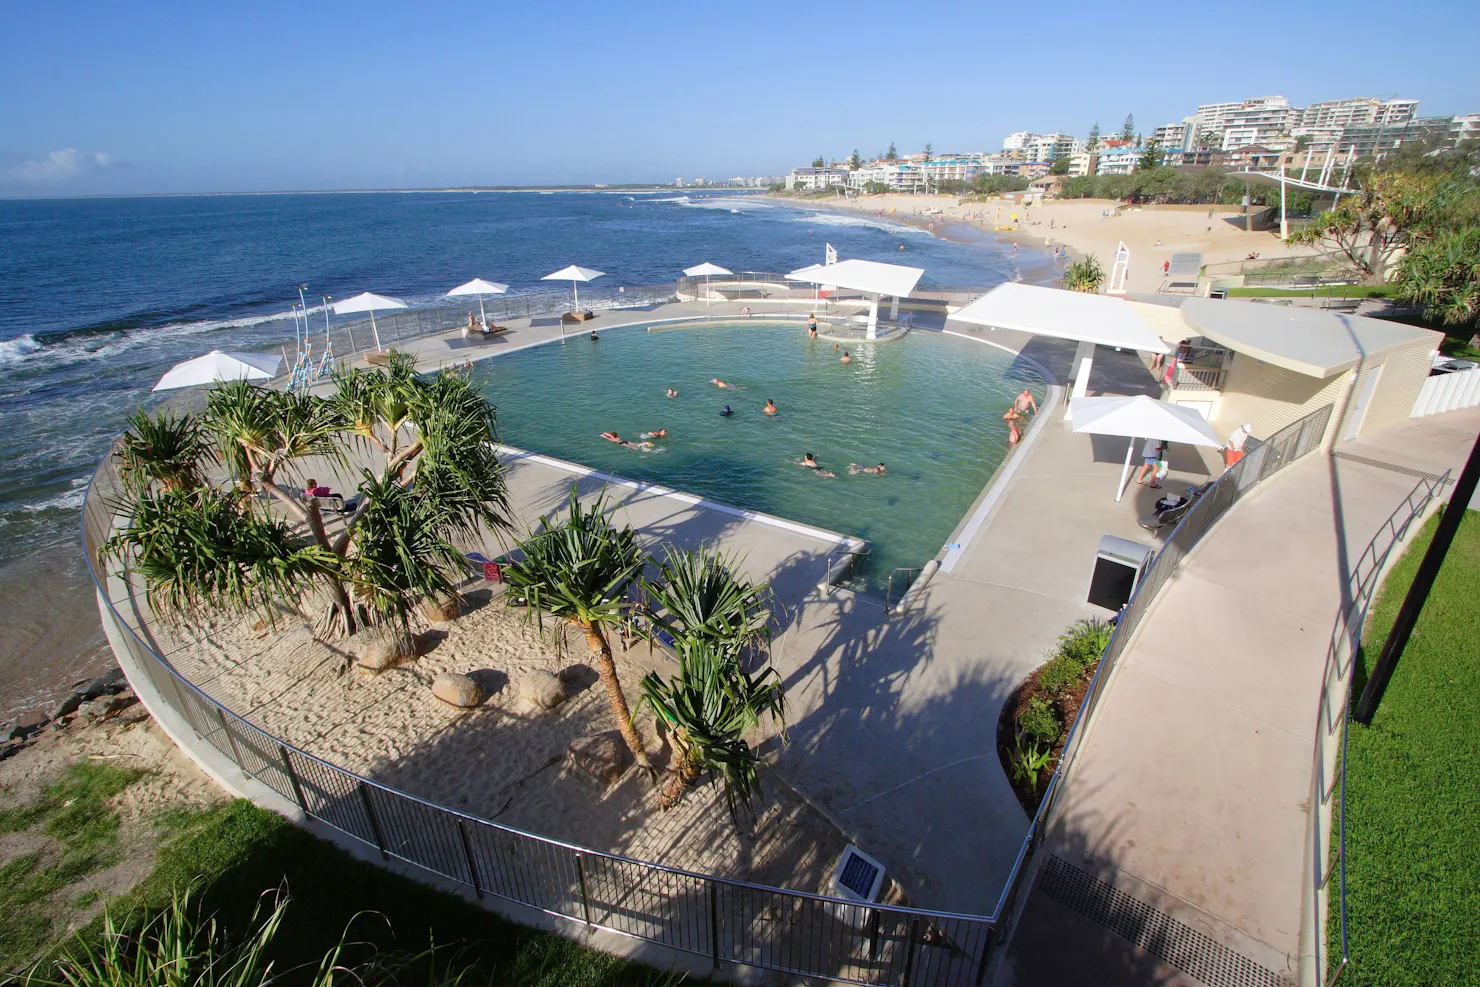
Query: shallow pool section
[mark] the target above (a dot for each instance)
(928, 406)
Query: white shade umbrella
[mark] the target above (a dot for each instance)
(368, 302)
(1141, 417)
(479, 287)
(217, 365)
(705, 269)
(574, 274)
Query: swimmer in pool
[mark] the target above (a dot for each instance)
(836, 347)
(846, 358)
(770, 408)
(614, 437)
(672, 393)
(854, 469)
(661, 433)
(812, 324)
(722, 385)
(1024, 401)
(595, 338)
(726, 413)
(813, 465)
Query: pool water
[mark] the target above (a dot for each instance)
(929, 406)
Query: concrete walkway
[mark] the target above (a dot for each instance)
(1190, 793)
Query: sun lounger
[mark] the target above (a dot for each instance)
(483, 329)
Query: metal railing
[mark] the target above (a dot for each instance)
(726, 920)
(1290, 443)
(1328, 771)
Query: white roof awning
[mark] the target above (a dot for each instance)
(1103, 319)
(863, 275)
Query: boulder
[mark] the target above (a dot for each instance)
(69, 705)
(106, 684)
(379, 648)
(457, 690)
(602, 758)
(543, 689)
(105, 706)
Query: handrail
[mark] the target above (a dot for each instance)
(889, 585)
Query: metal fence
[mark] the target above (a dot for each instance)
(726, 920)
(1328, 771)
(1281, 449)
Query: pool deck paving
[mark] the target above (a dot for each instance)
(1190, 794)
(893, 717)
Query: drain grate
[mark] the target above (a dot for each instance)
(1153, 930)
(1390, 467)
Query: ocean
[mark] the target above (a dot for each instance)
(98, 297)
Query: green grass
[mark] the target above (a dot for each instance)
(1328, 291)
(1413, 787)
(239, 851)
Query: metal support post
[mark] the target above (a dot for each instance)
(467, 845)
(374, 822)
(585, 895)
(293, 780)
(714, 922)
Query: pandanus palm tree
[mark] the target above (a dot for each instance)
(581, 571)
(715, 616)
(1086, 275)
(172, 451)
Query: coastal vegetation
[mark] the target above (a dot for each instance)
(1037, 717)
(201, 545)
(1411, 798)
(1166, 185)
(1084, 275)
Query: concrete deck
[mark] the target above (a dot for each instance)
(1190, 792)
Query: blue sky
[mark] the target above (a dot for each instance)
(180, 97)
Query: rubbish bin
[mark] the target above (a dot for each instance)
(1119, 566)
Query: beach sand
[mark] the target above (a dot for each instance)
(1086, 227)
(505, 760)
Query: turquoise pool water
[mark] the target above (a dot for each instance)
(929, 406)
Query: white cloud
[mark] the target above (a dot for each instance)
(58, 167)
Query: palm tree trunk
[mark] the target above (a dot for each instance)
(607, 669)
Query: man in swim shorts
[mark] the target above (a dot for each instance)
(770, 408)
(846, 358)
(1024, 401)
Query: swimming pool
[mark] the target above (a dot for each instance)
(929, 406)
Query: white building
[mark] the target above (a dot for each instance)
(812, 179)
(1043, 147)
(1177, 136)
(1118, 160)
(1264, 120)
(1084, 164)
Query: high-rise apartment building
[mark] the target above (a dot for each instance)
(1177, 136)
(1263, 120)
(1042, 147)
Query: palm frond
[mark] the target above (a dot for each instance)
(166, 449)
(700, 594)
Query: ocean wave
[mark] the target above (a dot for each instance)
(67, 500)
(15, 350)
(843, 219)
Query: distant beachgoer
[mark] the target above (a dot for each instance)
(1157, 359)
(745, 311)
(813, 465)
(812, 326)
(719, 383)
(661, 433)
(1024, 401)
(1014, 428)
(770, 408)
(1234, 450)
(472, 321)
(846, 358)
(1151, 454)
(726, 413)
(595, 338)
(614, 437)
(854, 469)
(312, 488)
(672, 393)
(836, 347)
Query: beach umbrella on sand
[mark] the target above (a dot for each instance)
(217, 365)
(574, 275)
(368, 302)
(1141, 417)
(479, 287)
(705, 269)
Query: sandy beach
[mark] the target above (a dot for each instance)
(1085, 227)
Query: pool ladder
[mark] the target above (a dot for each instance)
(840, 564)
(889, 586)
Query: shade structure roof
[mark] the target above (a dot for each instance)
(1310, 341)
(367, 302)
(217, 365)
(705, 269)
(478, 286)
(1102, 319)
(573, 273)
(1142, 417)
(862, 275)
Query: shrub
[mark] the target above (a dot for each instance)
(1039, 721)
(1084, 642)
(1027, 762)
(1060, 675)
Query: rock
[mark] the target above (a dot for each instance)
(69, 705)
(440, 611)
(543, 689)
(457, 690)
(105, 685)
(380, 648)
(10, 750)
(105, 706)
(603, 758)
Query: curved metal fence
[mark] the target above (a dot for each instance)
(729, 921)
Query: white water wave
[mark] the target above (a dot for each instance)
(15, 350)
(67, 500)
(842, 219)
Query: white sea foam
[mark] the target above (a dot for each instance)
(843, 219)
(18, 349)
(68, 500)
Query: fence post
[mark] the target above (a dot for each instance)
(467, 845)
(989, 945)
(293, 780)
(235, 752)
(873, 933)
(374, 822)
(585, 895)
(909, 953)
(714, 922)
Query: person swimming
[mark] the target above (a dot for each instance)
(672, 393)
(846, 358)
(661, 433)
(813, 465)
(722, 385)
(726, 413)
(614, 437)
(595, 338)
(770, 408)
(1024, 401)
(854, 469)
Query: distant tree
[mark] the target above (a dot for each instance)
(854, 161)
(1128, 129)
(1092, 143)
(818, 162)
(929, 150)
(1060, 166)
(1443, 275)
(875, 188)
(1150, 155)
(891, 154)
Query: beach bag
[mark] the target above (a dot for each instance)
(1162, 468)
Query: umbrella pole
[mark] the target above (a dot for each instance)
(375, 329)
(482, 314)
(1125, 472)
(577, 289)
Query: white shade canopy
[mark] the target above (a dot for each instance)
(573, 273)
(1103, 319)
(1143, 417)
(217, 366)
(367, 302)
(870, 276)
(478, 286)
(705, 269)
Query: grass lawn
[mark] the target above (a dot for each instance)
(1413, 787)
(1328, 291)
